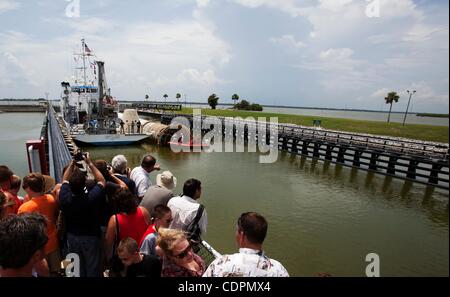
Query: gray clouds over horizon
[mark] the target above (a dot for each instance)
(324, 53)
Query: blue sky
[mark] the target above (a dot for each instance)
(325, 53)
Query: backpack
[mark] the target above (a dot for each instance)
(193, 230)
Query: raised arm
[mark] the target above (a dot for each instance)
(69, 171)
(117, 180)
(97, 174)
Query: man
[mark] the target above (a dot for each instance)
(7, 205)
(140, 175)
(16, 183)
(161, 193)
(184, 208)
(5, 178)
(119, 165)
(251, 260)
(122, 124)
(136, 264)
(22, 242)
(162, 217)
(44, 204)
(81, 208)
(138, 126)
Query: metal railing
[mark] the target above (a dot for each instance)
(58, 153)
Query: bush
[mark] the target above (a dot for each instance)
(256, 107)
(245, 105)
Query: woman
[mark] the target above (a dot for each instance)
(132, 221)
(178, 258)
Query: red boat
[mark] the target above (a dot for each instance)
(190, 144)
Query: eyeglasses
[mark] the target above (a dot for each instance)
(184, 253)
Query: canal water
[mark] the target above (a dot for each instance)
(322, 217)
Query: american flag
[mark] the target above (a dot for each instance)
(87, 49)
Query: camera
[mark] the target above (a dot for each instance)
(79, 156)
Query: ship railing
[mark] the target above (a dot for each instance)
(207, 253)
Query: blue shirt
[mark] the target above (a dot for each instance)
(82, 211)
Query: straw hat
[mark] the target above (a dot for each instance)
(166, 180)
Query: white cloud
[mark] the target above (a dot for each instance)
(399, 8)
(191, 77)
(381, 93)
(162, 57)
(288, 41)
(422, 33)
(334, 5)
(426, 94)
(380, 38)
(202, 3)
(290, 7)
(7, 5)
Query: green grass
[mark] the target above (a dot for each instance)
(413, 131)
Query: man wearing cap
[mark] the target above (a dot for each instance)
(141, 175)
(161, 193)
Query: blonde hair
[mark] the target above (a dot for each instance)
(169, 238)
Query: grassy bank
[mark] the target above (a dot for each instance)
(413, 131)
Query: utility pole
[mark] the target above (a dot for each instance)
(409, 101)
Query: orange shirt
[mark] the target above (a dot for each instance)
(46, 206)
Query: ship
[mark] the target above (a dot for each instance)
(89, 111)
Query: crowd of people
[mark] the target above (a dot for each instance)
(119, 223)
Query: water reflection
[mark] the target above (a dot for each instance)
(432, 201)
(313, 205)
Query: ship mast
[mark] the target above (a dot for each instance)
(84, 60)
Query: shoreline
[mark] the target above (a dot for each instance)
(419, 132)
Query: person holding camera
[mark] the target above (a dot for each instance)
(81, 207)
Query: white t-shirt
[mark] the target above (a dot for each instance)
(142, 180)
(184, 209)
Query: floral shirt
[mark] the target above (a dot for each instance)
(246, 263)
(170, 269)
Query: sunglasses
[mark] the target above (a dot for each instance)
(184, 253)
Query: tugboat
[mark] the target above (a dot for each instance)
(89, 110)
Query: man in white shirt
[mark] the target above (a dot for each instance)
(251, 260)
(184, 208)
(141, 175)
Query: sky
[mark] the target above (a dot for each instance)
(313, 53)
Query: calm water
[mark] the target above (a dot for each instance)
(322, 218)
(412, 118)
(16, 129)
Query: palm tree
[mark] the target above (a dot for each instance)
(213, 100)
(390, 99)
(235, 98)
(165, 98)
(178, 97)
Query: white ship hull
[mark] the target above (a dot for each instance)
(109, 139)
